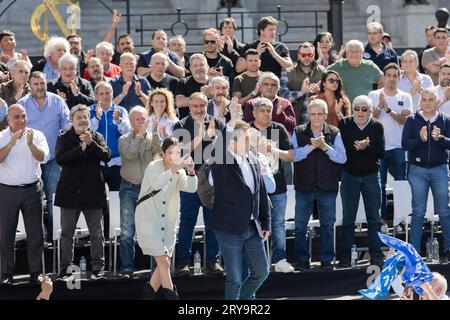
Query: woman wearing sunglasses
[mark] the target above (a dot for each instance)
(332, 93)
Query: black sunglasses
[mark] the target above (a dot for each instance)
(210, 41)
(363, 109)
(332, 80)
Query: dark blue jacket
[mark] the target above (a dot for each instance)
(430, 153)
(234, 203)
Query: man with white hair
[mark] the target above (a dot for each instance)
(129, 89)
(137, 149)
(69, 86)
(318, 157)
(282, 112)
(363, 139)
(358, 75)
(376, 50)
(14, 89)
(104, 51)
(411, 81)
(426, 137)
(54, 49)
(219, 103)
(158, 78)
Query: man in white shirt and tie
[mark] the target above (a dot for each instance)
(22, 150)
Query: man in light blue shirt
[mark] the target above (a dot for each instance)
(48, 113)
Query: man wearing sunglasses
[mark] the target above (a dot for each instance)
(219, 65)
(298, 83)
(363, 139)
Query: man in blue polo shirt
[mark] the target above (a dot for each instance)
(376, 50)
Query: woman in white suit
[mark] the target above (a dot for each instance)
(157, 210)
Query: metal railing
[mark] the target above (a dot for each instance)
(179, 23)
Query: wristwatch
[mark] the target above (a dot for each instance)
(388, 110)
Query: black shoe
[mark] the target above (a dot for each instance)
(344, 264)
(126, 275)
(377, 261)
(213, 267)
(171, 294)
(6, 279)
(98, 274)
(302, 266)
(182, 269)
(326, 265)
(36, 278)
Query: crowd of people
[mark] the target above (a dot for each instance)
(247, 115)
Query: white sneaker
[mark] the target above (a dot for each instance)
(283, 266)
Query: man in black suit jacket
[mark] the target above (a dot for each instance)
(241, 215)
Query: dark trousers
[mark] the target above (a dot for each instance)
(69, 219)
(29, 202)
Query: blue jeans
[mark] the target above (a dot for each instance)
(304, 203)
(351, 188)
(395, 160)
(128, 194)
(278, 236)
(50, 176)
(190, 204)
(250, 246)
(421, 180)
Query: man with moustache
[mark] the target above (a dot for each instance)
(194, 83)
(197, 133)
(219, 102)
(95, 71)
(81, 187)
(22, 149)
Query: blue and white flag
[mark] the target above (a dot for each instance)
(416, 270)
(415, 274)
(391, 269)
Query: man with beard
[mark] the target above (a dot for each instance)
(219, 103)
(194, 83)
(48, 113)
(443, 89)
(129, 89)
(158, 78)
(199, 128)
(125, 42)
(76, 50)
(301, 81)
(392, 107)
(95, 70)
(245, 85)
(219, 65)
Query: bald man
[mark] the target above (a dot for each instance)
(22, 150)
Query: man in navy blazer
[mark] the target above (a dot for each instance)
(241, 215)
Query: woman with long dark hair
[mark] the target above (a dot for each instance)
(332, 92)
(325, 54)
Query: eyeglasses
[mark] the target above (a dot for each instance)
(362, 109)
(332, 80)
(306, 55)
(210, 41)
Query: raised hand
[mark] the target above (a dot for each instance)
(74, 88)
(424, 133)
(435, 134)
(98, 111)
(116, 115)
(61, 94)
(29, 132)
